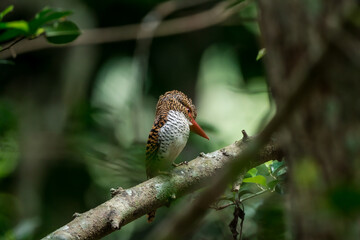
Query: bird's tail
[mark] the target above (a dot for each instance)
(151, 216)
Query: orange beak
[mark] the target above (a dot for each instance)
(197, 129)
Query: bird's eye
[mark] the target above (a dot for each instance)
(189, 113)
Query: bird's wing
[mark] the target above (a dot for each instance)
(152, 147)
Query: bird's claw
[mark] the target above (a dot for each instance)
(115, 191)
(76, 214)
(180, 164)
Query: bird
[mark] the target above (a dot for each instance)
(174, 119)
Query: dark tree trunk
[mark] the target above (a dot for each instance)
(318, 40)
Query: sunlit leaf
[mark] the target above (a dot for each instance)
(19, 25)
(62, 32)
(39, 31)
(6, 11)
(261, 54)
(259, 179)
(269, 163)
(253, 172)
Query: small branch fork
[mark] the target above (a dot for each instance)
(239, 211)
(130, 204)
(233, 201)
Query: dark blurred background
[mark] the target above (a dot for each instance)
(74, 120)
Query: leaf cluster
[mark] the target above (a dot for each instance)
(49, 22)
(269, 176)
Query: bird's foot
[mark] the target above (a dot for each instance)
(116, 191)
(76, 214)
(180, 164)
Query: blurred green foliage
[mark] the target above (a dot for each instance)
(74, 121)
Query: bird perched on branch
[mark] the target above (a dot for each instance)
(174, 119)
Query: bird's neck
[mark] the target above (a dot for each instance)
(177, 118)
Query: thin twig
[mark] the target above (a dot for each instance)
(222, 207)
(254, 195)
(12, 43)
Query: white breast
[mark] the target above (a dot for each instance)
(173, 136)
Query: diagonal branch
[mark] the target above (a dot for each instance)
(177, 226)
(135, 202)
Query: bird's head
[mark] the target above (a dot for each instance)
(178, 101)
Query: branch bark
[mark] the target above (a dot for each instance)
(132, 203)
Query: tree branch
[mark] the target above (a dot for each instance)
(214, 16)
(177, 226)
(132, 203)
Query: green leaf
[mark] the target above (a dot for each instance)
(39, 31)
(46, 16)
(278, 168)
(269, 163)
(273, 184)
(9, 34)
(6, 11)
(54, 16)
(244, 192)
(259, 179)
(253, 172)
(276, 165)
(20, 25)
(280, 174)
(43, 12)
(62, 32)
(263, 170)
(260, 54)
